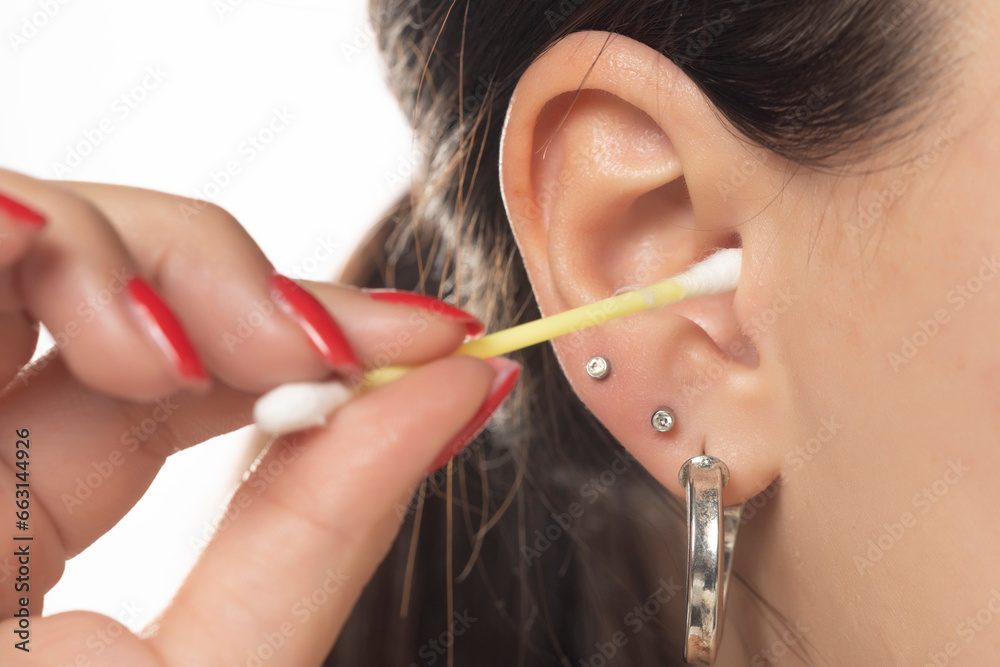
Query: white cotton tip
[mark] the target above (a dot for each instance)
(716, 274)
(297, 406)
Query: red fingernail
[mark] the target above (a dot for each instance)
(166, 330)
(18, 212)
(322, 330)
(507, 374)
(473, 327)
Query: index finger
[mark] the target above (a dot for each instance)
(94, 455)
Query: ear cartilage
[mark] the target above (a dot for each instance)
(300, 405)
(716, 274)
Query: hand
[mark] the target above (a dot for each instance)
(319, 515)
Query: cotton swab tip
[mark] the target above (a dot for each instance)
(296, 406)
(716, 274)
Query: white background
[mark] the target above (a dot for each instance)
(79, 102)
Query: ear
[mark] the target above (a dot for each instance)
(615, 170)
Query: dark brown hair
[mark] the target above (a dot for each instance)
(562, 550)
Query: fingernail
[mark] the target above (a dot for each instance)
(322, 330)
(473, 327)
(18, 212)
(166, 331)
(507, 374)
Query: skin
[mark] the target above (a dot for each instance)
(873, 539)
(325, 500)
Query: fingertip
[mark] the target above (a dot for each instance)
(19, 226)
(20, 213)
(322, 330)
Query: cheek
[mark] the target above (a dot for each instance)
(990, 378)
(896, 337)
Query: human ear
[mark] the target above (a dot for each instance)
(614, 171)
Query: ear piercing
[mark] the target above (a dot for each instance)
(663, 420)
(597, 368)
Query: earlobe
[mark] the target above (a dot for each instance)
(612, 184)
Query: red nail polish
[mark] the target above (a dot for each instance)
(322, 330)
(18, 212)
(507, 375)
(473, 327)
(166, 330)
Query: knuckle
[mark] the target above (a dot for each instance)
(216, 216)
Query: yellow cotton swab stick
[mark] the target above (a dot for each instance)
(716, 274)
(293, 407)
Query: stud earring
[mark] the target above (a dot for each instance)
(598, 368)
(664, 420)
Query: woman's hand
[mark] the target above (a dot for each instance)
(155, 298)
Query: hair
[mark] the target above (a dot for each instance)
(545, 543)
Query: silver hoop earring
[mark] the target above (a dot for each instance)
(598, 368)
(663, 420)
(711, 532)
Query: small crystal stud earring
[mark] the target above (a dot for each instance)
(664, 420)
(597, 368)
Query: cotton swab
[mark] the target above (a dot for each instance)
(716, 274)
(299, 405)
(293, 407)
